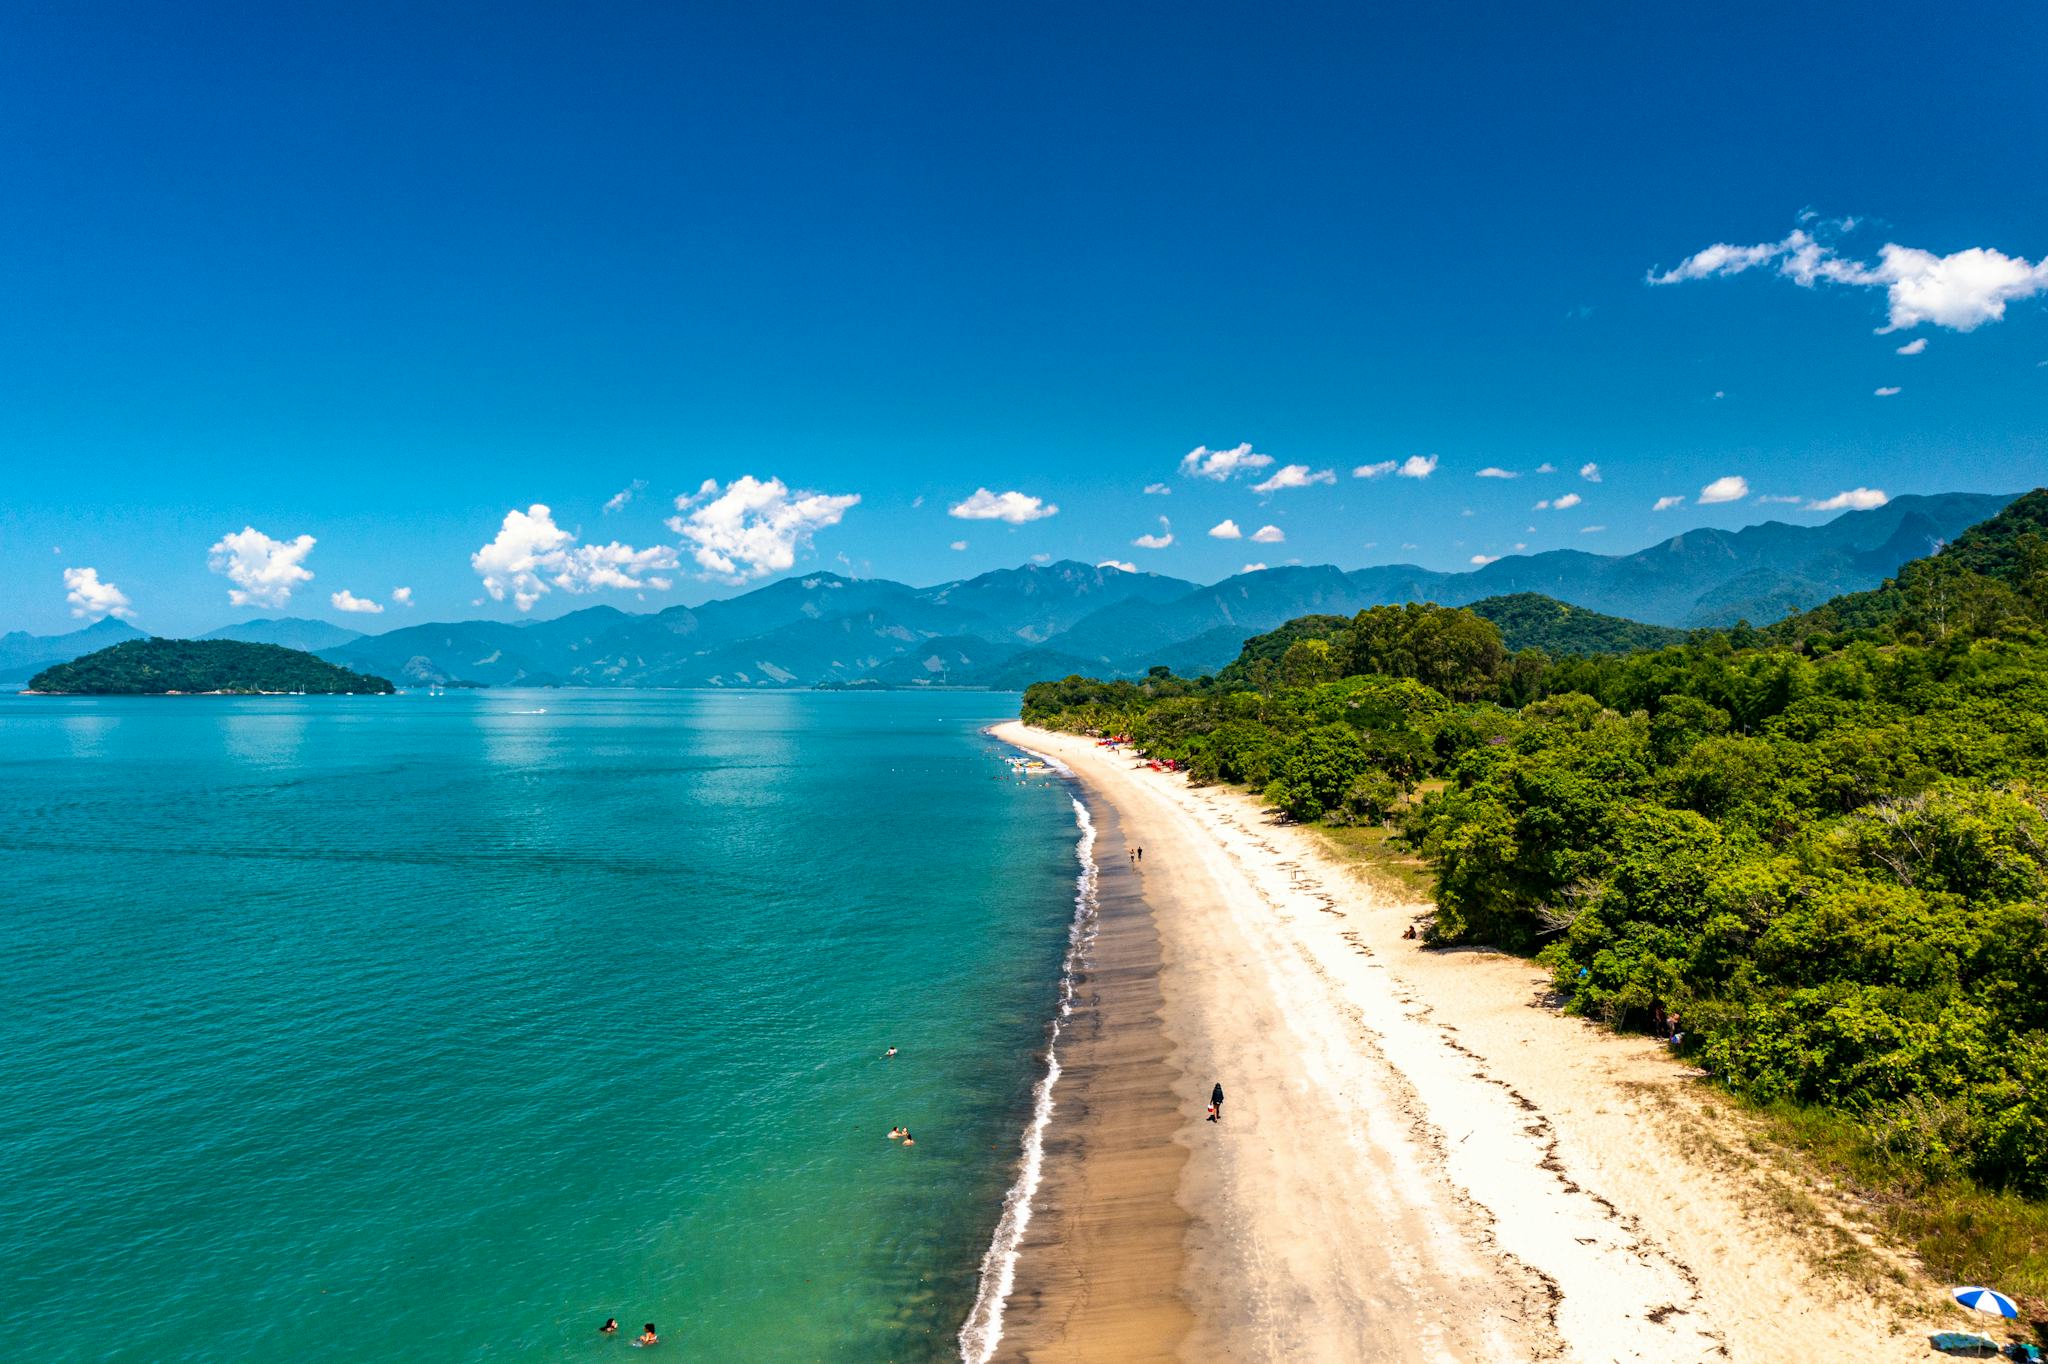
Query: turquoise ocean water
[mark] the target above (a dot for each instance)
(435, 1028)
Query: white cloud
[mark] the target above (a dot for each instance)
(1720, 394)
(1013, 507)
(88, 596)
(1202, 462)
(1667, 503)
(1158, 490)
(1546, 467)
(1041, 558)
(1118, 564)
(1495, 471)
(1591, 530)
(1226, 529)
(1732, 488)
(1787, 498)
(1294, 476)
(756, 526)
(1855, 499)
(1159, 541)
(264, 571)
(1888, 391)
(1482, 560)
(624, 495)
(1565, 503)
(1378, 470)
(402, 595)
(1961, 291)
(530, 552)
(1253, 568)
(1913, 347)
(1590, 472)
(1417, 466)
(346, 600)
(1268, 535)
(958, 544)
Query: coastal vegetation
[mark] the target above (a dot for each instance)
(158, 667)
(1815, 854)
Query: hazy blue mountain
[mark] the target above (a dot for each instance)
(1013, 626)
(22, 655)
(293, 632)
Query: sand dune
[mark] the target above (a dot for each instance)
(1419, 1160)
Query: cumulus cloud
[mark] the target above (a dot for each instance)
(89, 597)
(1495, 471)
(1119, 565)
(1218, 465)
(1565, 503)
(1913, 347)
(1482, 560)
(1253, 568)
(1667, 503)
(1732, 488)
(402, 595)
(754, 527)
(1268, 535)
(624, 495)
(1546, 467)
(531, 553)
(1590, 472)
(958, 544)
(1417, 466)
(1013, 507)
(1855, 499)
(1159, 541)
(1226, 529)
(1378, 470)
(1158, 490)
(264, 571)
(1961, 291)
(1294, 476)
(1888, 391)
(346, 600)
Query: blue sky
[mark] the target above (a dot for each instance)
(381, 275)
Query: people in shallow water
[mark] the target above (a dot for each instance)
(898, 1133)
(890, 1052)
(610, 1327)
(647, 1336)
(908, 1140)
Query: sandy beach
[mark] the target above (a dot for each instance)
(1418, 1158)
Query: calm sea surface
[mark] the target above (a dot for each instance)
(442, 1028)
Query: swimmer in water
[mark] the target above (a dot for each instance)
(890, 1052)
(895, 1133)
(908, 1140)
(647, 1336)
(610, 1327)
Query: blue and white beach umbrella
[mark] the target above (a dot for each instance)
(1986, 1300)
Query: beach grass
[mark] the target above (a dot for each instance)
(1963, 1233)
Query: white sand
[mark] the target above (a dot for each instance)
(1418, 1159)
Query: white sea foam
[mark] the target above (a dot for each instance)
(984, 1327)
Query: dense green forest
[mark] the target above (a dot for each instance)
(153, 667)
(1822, 845)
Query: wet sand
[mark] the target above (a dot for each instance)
(1098, 1272)
(1418, 1160)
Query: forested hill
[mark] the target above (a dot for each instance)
(158, 667)
(1824, 847)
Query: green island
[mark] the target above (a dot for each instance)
(186, 667)
(1821, 845)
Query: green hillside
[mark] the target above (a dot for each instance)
(1530, 620)
(156, 667)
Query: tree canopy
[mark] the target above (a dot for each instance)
(155, 667)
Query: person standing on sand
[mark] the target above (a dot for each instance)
(1216, 1103)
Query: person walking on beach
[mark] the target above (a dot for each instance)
(1216, 1103)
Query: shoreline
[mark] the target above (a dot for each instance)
(1420, 1160)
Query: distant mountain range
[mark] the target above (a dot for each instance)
(1013, 626)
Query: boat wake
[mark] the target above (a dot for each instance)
(984, 1328)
